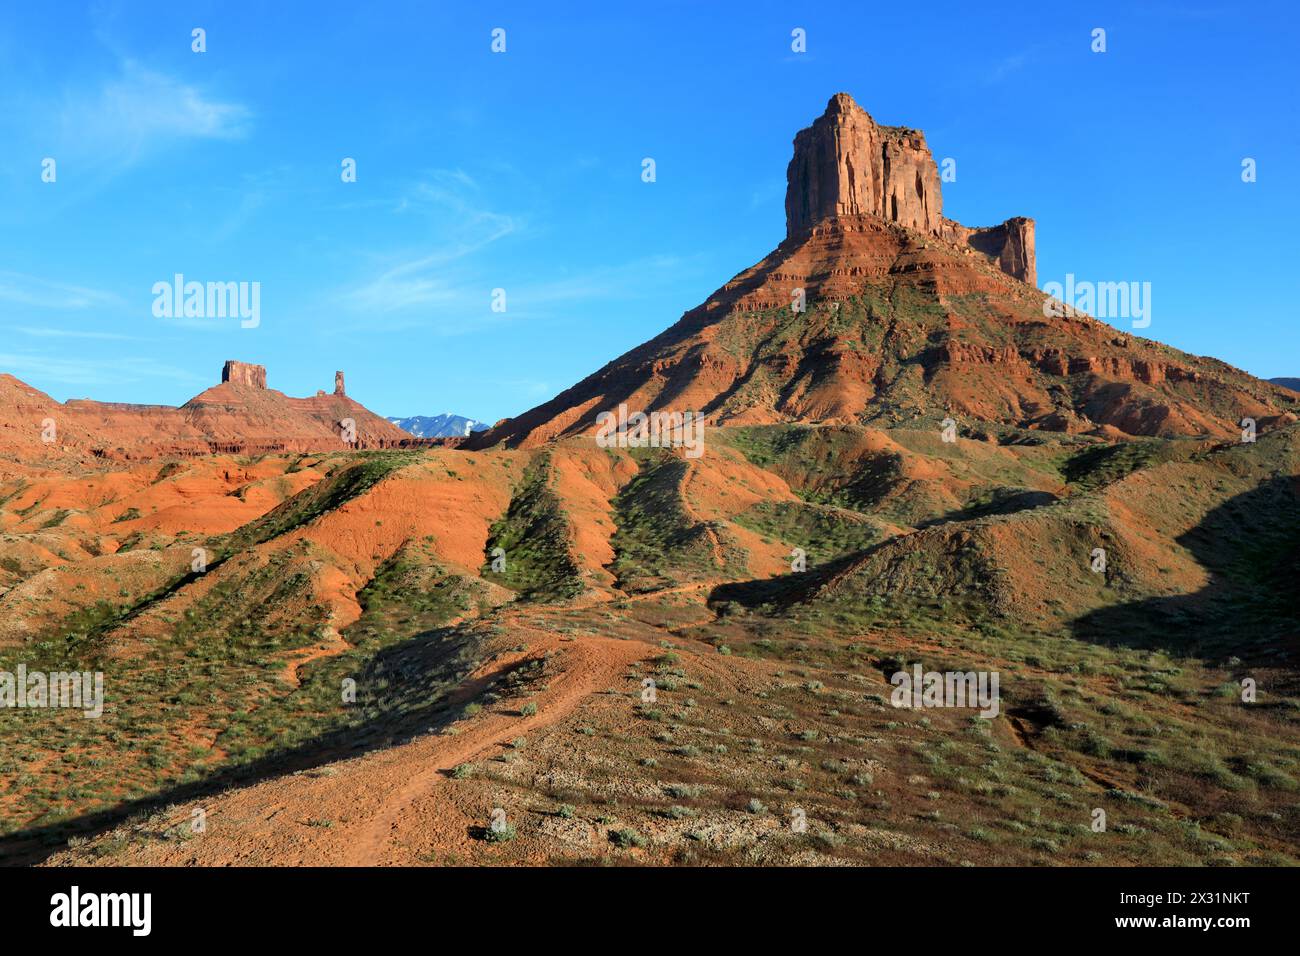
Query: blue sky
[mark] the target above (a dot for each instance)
(522, 171)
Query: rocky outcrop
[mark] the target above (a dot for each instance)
(1010, 245)
(241, 373)
(338, 384)
(848, 165)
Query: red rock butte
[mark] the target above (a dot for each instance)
(238, 416)
(241, 373)
(845, 164)
(876, 309)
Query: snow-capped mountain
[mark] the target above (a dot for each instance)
(438, 426)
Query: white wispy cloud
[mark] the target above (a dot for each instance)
(72, 371)
(610, 283)
(246, 209)
(30, 290)
(528, 386)
(446, 302)
(417, 280)
(1012, 63)
(455, 192)
(52, 333)
(139, 111)
(447, 287)
(403, 287)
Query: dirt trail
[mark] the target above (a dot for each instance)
(589, 665)
(350, 813)
(616, 597)
(332, 646)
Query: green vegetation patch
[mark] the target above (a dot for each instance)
(824, 532)
(534, 533)
(349, 481)
(657, 544)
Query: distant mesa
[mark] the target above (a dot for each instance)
(254, 376)
(241, 415)
(1291, 383)
(241, 373)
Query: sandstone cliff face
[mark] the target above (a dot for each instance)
(241, 373)
(847, 165)
(1010, 245)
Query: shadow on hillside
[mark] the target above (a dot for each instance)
(1250, 544)
(425, 679)
(1004, 501)
(785, 589)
